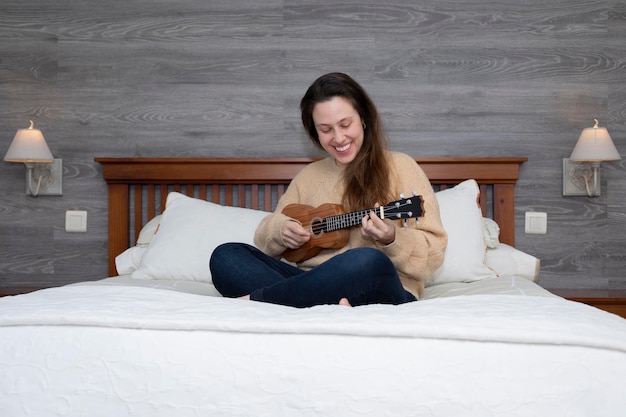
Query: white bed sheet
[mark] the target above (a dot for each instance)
(190, 287)
(116, 350)
(505, 284)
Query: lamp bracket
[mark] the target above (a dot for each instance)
(576, 176)
(49, 176)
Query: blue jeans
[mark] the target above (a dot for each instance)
(363, 276)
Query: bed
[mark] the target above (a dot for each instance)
(156, 339)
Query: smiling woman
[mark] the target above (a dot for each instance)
(379, 262)
(366, 175)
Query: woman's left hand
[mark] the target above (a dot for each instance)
(373, 227)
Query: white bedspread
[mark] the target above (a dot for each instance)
(107, 350)
(475, 318)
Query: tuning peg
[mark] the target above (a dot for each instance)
(402, 195)
(406, 223)
(414, 193)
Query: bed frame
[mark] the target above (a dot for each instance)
(138, 187)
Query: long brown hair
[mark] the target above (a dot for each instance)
(367, 177)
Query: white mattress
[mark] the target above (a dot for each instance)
(112, 350)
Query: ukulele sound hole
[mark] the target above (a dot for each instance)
(317, 226)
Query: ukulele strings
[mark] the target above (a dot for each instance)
(339, 221)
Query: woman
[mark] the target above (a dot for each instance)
(383, 262)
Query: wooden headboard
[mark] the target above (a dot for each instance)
(138, 187)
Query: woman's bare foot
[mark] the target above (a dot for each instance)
(345, 302)
(244, 297)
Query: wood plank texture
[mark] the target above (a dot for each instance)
(158, 78)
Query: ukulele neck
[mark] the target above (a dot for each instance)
(344, 221)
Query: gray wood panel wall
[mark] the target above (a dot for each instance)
(223, 78)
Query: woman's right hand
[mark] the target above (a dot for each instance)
(294, 235)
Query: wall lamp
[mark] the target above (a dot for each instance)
(44, 174)
(581, 172)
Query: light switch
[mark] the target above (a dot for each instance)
(536, 223)
(75, 221)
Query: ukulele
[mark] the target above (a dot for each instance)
(328, 222)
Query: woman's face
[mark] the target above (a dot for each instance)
(339, 128)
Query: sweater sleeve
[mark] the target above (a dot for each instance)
(418, 250)
(268, 237)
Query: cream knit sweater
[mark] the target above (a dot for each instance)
(417, 251)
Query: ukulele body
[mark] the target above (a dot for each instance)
(311, 219)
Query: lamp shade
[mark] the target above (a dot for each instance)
(595, 144)
(29, 145)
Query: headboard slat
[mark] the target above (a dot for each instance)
(268, 196)
(138, 203)
(483, 200)
(151, 203)
(254, 196)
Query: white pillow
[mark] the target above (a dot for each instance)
(491, 233)
(147, 232)
(128, 261)
(462, 219)
(506, 260)
(189, 231)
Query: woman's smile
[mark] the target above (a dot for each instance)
(343, 148)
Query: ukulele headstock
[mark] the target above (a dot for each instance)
(405, 208)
